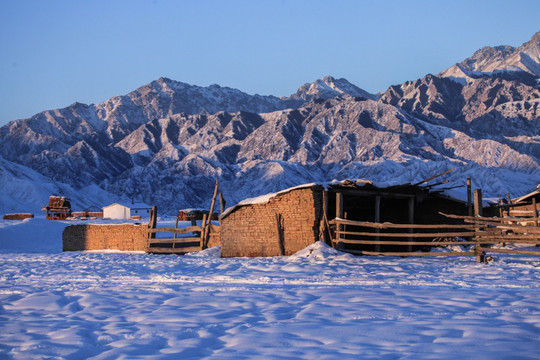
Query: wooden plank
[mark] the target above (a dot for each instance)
(175, 240)
(406, 235)
(511, 251)
(500, 234)
(406, 254)
(405, 243)
(401, 226)
(487, 220)
(434, 177)
(184, 250)
(185, 230)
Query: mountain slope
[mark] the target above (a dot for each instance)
(165, 142)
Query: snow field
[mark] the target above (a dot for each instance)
(318, 303)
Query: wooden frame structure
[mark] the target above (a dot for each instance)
(482, 232)
(198, 237)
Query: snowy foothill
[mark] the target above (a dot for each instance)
(318, 303)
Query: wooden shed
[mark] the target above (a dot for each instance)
(524, 206)
(288, 221)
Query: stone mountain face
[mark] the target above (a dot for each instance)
(500, 58)
(165, 142)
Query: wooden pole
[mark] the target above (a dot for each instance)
(478, 202)
(222, 203)
(339, 214)
(209, 218)
(203, 231)
(480, 255)
(469, 198)
(535, 209)
(153, 222)
(176, 225)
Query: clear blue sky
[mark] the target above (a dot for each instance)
(57, 52)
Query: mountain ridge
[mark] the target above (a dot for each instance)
(166, 141)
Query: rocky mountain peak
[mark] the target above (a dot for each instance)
(490, 60)
(328, 87)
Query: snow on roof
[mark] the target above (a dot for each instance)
(525, 197)
(263, 199)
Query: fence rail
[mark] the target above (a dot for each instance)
(367, 238)
(179, 245)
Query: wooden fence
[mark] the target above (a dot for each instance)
(195, 237)
(367, 238)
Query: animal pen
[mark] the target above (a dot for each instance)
(361, 218)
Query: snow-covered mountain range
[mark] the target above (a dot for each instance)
(165, 142)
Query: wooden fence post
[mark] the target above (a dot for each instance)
(469, 198)
(222, 203)
(480, 255)
(339, 214)
(203, 231)
(205, 234)
(478, 202)
(153, 222)
(535, 209)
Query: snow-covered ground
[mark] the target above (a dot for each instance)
(318, 303)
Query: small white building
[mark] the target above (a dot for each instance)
(126, 210)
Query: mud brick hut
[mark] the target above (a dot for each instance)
(288, 221)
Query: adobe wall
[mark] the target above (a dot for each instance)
(251, 230)
(125, 237)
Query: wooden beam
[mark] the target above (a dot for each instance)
(407, 235)
(402, 226)
(434, 177)
(222, 203)
(377, 218)
(478, 202)
(209, 218)
(153, 222)
(404, 254)
(185, 230)
(469, 198)
(175, 240)
(422, 243)
(535, 209)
